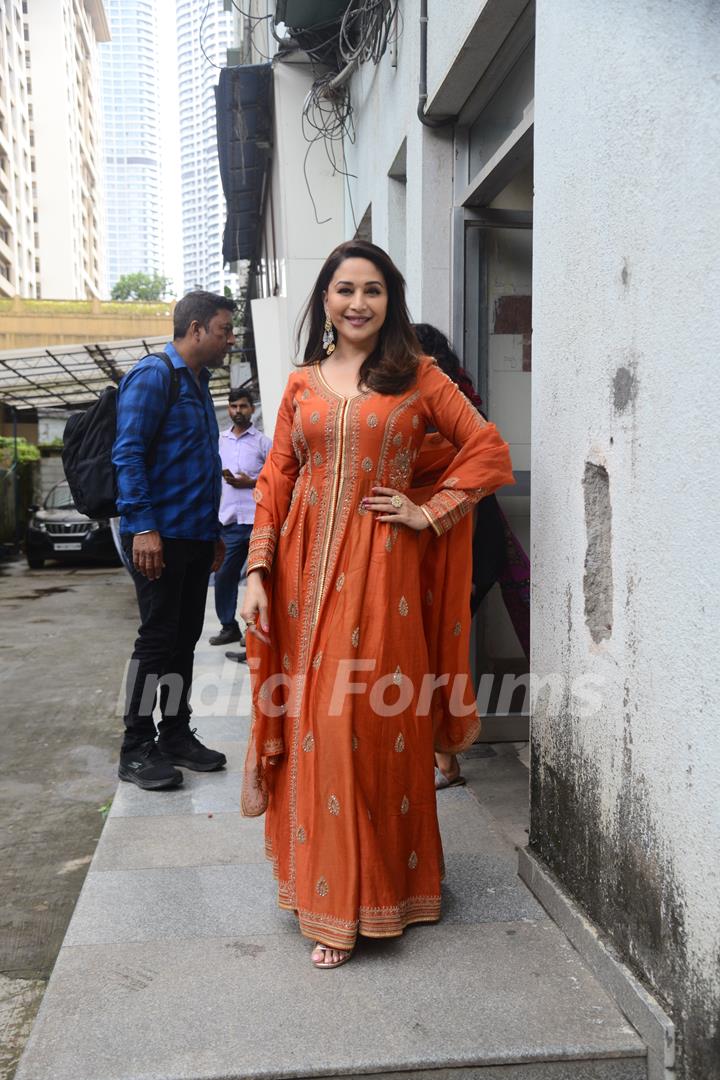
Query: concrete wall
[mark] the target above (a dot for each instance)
(626, 398)
(25, 323)
(301, 244)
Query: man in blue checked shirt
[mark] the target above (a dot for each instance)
(168, 480)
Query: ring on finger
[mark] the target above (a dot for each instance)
(397, 502)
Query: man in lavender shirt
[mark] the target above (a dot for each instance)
(243, 450)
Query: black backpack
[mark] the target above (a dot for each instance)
(87, 449)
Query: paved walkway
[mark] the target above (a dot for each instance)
(178, 965)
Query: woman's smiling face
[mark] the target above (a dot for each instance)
(356, 301)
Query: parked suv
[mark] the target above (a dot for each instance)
(57, 530)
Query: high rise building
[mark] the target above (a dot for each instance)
(132, 150)
(65, 130)
(205, 32)
(18, 216)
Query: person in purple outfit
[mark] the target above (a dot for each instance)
(243, 450)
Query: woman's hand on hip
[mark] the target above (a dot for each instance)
(395, 508)
(255, 604)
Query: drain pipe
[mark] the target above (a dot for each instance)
(428, 121)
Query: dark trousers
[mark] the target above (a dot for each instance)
(237, 542)
(172, 611)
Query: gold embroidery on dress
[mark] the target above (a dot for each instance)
(372, 420)
(429, 597)
(257, 495)
(388, 542)
(317, 660)
(322, 888)
(415, 421)
(301, 835)
(312, 496)
(293, 609)
(366, 464)
(397, 677)
(403, 606)
(457, 629)
(334, 805)
(286, 662)
(413, 860)
(400, 743)
(404, 805)
(285, 527)
(400, 467)
(308, 743)
(362, 509)
(397, 440)
(273, 746)
(355, 637)
(355, 742)
(317, 458)
(340, 582)
(305, 394)
(315, 417)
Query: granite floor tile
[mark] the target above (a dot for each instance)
(252, 1006)
(136, 843)
(201, 793)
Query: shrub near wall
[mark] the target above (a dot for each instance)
(26, 468)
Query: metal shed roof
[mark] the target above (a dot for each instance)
(72, 376)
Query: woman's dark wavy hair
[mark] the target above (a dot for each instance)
(435, 344)
(392, 367)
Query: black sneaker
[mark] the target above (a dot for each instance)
(148, 768)
(227, 635)
(187, 750)
(239, 657)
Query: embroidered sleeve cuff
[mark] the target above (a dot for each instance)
(447, 507)
(262, 548)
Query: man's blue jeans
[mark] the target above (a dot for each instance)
(237, 542)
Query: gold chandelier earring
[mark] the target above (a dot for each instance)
(328, 340)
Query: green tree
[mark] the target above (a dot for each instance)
(141, 287)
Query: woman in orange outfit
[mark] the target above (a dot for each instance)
(358, 585)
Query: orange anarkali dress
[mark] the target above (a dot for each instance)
(345, 720)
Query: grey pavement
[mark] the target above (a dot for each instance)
(178, 964)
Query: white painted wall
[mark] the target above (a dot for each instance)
(627, 278)
(302, 245)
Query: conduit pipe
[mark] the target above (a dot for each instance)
(428, 121)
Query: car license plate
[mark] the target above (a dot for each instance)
(67, 547)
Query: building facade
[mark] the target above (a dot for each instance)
(65, 98)
(205, 32)
(132, 149)
(542, 198)
(19, 258)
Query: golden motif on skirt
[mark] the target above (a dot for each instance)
(301, 835)
(403, 606)
(312, 496)
(355, 743)
(355, 637)
(457, 629)
(334, 805)
(362, 509)
(317, 660)
(388, 542)
(293, 609)
(315, 418)
(397, 676)
(317, 458)
(429, 597)
(305, 394)
(366, 464)
(257, 495)
(322, 888)
(285, 527)
(372, 420)
(340, 582)
(398, 439)
(400, 743)
(308, 742)
(286, 662)
(413, 860)
(415, 421)
(404, 805)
